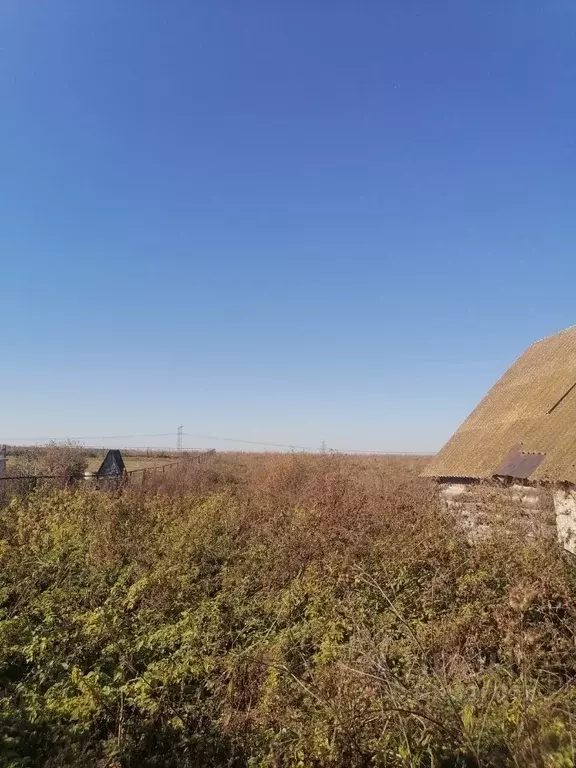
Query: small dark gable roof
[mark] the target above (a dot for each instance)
(112, 466)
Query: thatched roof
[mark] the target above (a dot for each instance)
(531, 410)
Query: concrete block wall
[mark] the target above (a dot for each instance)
(565, 509)
(480, 506)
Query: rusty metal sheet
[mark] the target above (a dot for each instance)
(519, 464)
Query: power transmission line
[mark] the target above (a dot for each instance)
(180, 434)
(250, 442)
(94, 437)
(302, 447)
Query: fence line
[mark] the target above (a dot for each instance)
(162, 467)
(15, 485)
(157, 467)
(32, 477)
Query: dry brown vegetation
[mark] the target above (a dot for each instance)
(64, 460)
(287, 610)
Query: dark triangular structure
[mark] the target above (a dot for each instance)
(112, 466)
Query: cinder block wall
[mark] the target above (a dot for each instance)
(565, 509)
(480, 507)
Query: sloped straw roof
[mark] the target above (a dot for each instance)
(530, 410)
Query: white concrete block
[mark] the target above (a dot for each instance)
(454, 489)
(565, 508)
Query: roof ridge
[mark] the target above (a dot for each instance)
(556, 333)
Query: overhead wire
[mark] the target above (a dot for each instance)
(290, 446)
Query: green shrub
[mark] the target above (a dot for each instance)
(313, 612)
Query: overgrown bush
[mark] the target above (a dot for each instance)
(65, 460)
(298, 611)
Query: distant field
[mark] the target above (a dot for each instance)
(15, 465)
(132, 462)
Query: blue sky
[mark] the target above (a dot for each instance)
(287, 222)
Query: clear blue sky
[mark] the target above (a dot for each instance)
(279, 221)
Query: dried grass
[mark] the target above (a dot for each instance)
(287, 610)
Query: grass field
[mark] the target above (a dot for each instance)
(132, 462)
(280, 611)
(32, 460)
(93, 463)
